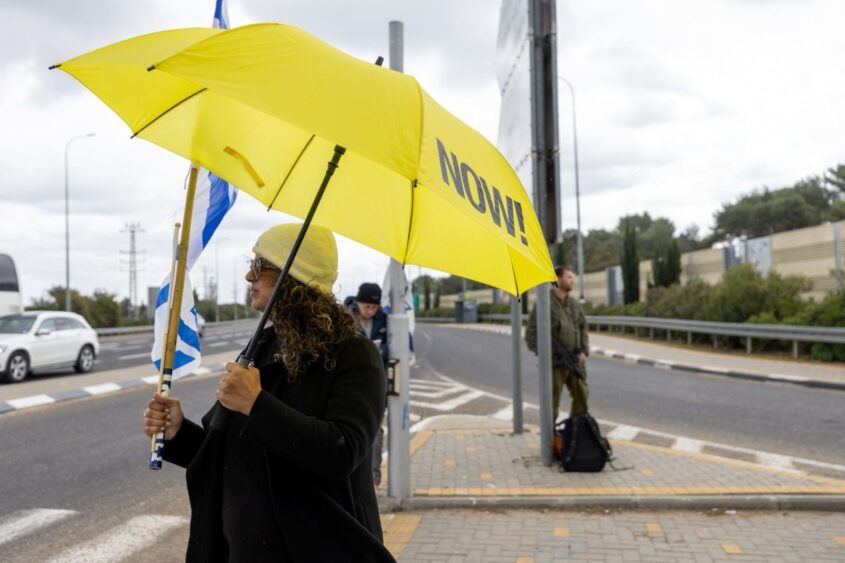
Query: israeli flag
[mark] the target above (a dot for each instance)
(212, 200)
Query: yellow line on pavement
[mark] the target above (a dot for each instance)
(838, 539)
(561, 532)
(417, 441)
(733, 463)
(489, 491)
(398, 529)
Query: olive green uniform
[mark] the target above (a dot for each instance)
(569, 328)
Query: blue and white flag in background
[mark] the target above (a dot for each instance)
(212, 200)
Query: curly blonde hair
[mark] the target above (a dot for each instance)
(308, 323)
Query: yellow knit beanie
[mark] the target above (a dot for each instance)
(315, 263)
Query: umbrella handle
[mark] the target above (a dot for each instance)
(220, 420)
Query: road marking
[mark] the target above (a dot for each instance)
(398, 529)
(27, 521)
(688, 445)
(150, 379)
(451, 404)
(505, 413)
(102, 388)
(32, 401)
(437, 394)
(215, 344)
(775, 460)
(623, 432)
(134, 356)
(121, 541)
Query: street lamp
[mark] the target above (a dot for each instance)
(579, 239)
(67, 223)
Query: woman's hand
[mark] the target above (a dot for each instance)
(163, 414)
(239, 387)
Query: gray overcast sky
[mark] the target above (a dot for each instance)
(682, 105)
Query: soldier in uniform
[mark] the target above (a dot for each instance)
(569, 330)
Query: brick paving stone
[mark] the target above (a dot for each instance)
(465, 535)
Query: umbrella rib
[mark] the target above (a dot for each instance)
(415, 181)
(165, 112)
(290, 171)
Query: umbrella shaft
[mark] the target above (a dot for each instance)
(221, 415)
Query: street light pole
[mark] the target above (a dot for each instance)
(579, 238)
(67, 222)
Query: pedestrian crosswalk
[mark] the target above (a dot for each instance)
(125, 541)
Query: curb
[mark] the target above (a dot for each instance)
(22, 403)
(771, 378)
(816, 503)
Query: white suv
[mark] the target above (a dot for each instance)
(40, 340)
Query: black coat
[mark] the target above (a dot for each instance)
(316, 435)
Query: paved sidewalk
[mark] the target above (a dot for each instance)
(480, 493)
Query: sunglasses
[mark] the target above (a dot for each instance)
(258, 265)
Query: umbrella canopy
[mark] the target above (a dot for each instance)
(263, 106)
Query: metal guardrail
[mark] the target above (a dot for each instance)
(118, 331)
(748, 331)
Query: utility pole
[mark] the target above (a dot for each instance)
(132, 229)
(398, 404)
(546, 153)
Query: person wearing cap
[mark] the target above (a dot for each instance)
(371, 316)
(289, 479)
(373, 322)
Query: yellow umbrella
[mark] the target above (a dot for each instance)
(263, 106)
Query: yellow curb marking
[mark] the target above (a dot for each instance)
(471, 449)
(838, 539)
(732, 549)
(486, 476)
(398, 529)
(524, 559)
(838, 483)
(561, 532)
(450, 462)
(653, 528)
(418, 439)
(646, 471)
(644, 490)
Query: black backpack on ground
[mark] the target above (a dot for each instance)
(583, 448)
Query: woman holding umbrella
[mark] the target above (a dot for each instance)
(289, 477)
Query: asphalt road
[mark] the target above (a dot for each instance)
(87, 458)
(774, 417)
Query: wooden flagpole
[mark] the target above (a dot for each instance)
(176, 289)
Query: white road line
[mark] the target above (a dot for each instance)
(27, 521)
(150, 379)
(431, 384)
(451, 404)
(624, 432)
(505, 413)
(215, 344)
(437, 394)
(134, 356)
(688, 445)
(102, 388)
(786, 377)
(121, 541)
(776, 461)
(32, 401)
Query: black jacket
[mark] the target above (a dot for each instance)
(316, 435)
